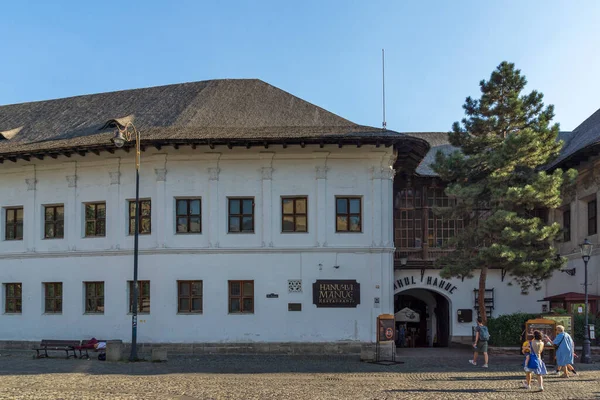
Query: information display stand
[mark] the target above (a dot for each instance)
(386, 335)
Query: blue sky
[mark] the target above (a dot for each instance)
(327, 52)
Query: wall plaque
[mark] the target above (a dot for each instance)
(336, 293)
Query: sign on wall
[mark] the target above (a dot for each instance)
(431, 281)
(336, 293)
(385, 328)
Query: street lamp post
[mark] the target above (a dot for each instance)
(122, 135)
(586, 251)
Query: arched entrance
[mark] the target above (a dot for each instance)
(425, 315)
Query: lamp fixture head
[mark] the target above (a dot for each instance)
(586, 249)
(119, 140)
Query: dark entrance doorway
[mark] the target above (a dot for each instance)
(429, 324)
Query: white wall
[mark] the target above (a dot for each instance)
(267, 256)
(507, 299)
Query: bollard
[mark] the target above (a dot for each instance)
(114, 349)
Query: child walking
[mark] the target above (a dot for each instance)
(534, 363)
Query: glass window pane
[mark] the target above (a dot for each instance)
(49, 230)
(145, 206)
(300, 224)
(49, 213)
(89, 289)
(234, 224)
(195, 224)
(58, 305)
(182, 225)
(234, 305)
(18, 290)
(101, 210)
(58, 289)
(184, 304)
(89, 211)
(288, 206)
(20, 214)
(145, 306)
(10, 305)
(132, 208)
(248, 224)
(181, 207)
(90, 228)
(10, 233)
(197, 304)
(234, 206)
(100, 304)
(195, 207)
(354, 206)
(145, 287)
(342, 223)
(49, 305)
(101, 227)
(184, 289)
(248, 305)
(60, 213)
(60, 229)
(288, 223)
(234, 288)
(10, 290)
(248, 289)
(248, 206)
(50, 290)
(131, 226)
(342, 206)
(100, 289)
(355, 224)
(10, 215)
(197, 288)
(145, 225)
(301, 206)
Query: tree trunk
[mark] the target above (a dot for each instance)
(481, 296)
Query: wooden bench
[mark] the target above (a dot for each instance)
(83, 349)
(68, 346)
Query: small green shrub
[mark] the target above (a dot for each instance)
(579, 322)
(506, 330)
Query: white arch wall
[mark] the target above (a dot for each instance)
(460, 295)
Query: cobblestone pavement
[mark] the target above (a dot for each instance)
(426, 374)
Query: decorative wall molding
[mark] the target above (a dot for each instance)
(388, 173)
(31, 184)
(321, 172)
(161, 174)
(267, 173)
(115, 177)
(214, 173)
(215, 249)
(72, 180)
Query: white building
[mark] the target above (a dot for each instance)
(254, 205)
(250, 196)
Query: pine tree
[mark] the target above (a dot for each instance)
(497, 180)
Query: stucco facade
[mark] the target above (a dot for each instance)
(268, 257)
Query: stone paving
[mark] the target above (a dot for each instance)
(426, 374)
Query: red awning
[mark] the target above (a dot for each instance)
(571, 296)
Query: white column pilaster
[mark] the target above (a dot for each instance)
(163, 209)
(72, 215)
(30, 212)
(115, 217)
(213, 206)
(266, 219)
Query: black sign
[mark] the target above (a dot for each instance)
(272, 296)
(336, 293)
(429, 281)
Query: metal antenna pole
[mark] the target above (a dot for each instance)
(383, 82)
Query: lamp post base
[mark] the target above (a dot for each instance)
(586, 357)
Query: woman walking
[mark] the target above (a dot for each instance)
(564, 350)
(534, 363)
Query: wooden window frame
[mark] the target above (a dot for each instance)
(241, 297)
(13, 226)
(55, 298)
(95, 297)
(190, 297)
(188, 216)
(18, 300)
(592, 218)
(55, 222)
(295, 214)
(240, 216)
(141, 297)
(447, 227)
(131, 230)
(408, 216)
(348, 214)
(95, 219)
(566, 216)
